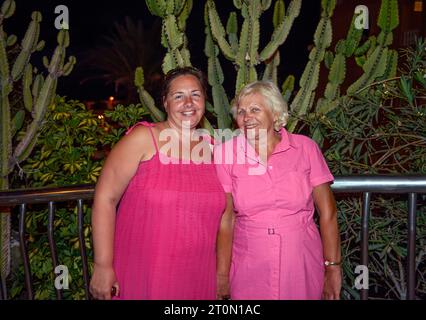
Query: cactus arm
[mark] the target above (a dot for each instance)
(173, 35)
(174, 14)
(309, 80)
(27, 81)
(11, 40)
(218, 31)
(8, 8)
(352, 39)
(336, 76)
(5, 113)
(273, 63)
(37, 85)
(288, 87)
(242, 76)
(279, 13)
(378, 55)
(157, 7)
(374, 67)
(29, 45)
(17, 122)
(271, 68)
(388, 20)
(148, 102)
(249, 44)
(215, 78)
(282, 30)
(391, 65)
(205, 123)
(232, 30)
(44, 100)
(145, 98)
(184, 14)
(238, 4)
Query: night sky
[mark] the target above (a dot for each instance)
(92, 19)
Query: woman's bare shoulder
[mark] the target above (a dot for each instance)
(136, 143)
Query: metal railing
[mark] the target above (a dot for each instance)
(367, 185)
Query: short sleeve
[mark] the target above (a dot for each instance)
(320, 173)
(223, 170)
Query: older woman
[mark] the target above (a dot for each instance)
(161, 243)
(276, 179)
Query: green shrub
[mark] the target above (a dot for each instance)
(382, 130)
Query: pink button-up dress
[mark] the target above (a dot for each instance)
(277, 250)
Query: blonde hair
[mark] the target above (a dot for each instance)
(273, 98)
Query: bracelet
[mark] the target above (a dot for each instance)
(332, 263)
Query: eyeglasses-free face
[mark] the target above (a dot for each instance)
(185, 101)
(253, 114)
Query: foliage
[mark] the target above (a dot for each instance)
(20, 123)
(382, 131)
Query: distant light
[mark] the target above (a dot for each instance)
(418, 6)
(111, 98)
(100, 117)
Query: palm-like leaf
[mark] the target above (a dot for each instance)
(115, 60)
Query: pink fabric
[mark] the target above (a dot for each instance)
(277, 250)
(166, 228)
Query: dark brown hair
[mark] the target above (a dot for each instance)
(181, 71)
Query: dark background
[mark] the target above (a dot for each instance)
(92, 19)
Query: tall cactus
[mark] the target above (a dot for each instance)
(380, 61)
(221, 105)
(38, 93)
(309, 80)
(245, 54)
(173, 14)
(240, 45)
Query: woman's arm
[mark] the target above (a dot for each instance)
(326, 206)
(224, 248)
(119, 168)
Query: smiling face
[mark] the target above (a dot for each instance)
(185, 102)
(253, 113)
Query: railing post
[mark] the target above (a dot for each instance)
(411, 258)
(364, 235)
(52, 243)
(24, 252)
(3, 295)
(82, 240)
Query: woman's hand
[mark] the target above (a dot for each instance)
(102, 282)
(332, 283)
(223, 292)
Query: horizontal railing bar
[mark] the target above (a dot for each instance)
(44, 195)
(380, 184)
(342, 184)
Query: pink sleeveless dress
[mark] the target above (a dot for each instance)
(166, 229)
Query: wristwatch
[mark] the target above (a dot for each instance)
(332, 263)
